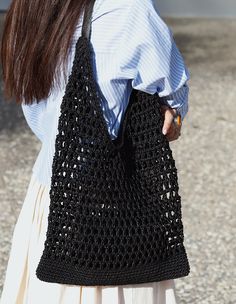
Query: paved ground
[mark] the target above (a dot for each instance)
(205, 157)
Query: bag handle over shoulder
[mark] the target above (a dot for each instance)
(86, 32)
(87, 19)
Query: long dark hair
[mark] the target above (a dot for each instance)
(35, 43)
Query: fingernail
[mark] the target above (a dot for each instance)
(164, 131)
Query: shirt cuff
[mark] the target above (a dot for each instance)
(178, 100)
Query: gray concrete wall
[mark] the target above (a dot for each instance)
(188, 8)
(197, 8)
(4, 4)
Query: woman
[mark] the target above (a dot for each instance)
(134, 48)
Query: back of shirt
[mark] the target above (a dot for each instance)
(133, 48)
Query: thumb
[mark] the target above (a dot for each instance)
(168, 119)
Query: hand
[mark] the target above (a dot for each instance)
(171, 129)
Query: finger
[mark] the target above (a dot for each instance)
(173, 137)
(174, 132)
(167, 122)
(171, 132)
(178, 127)
(175, 128)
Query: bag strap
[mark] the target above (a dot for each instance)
(87, 19)
(86, 32)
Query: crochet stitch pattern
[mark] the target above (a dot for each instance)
(115, 212)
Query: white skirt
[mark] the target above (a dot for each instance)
(23, 287)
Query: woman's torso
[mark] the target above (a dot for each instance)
(115, 69)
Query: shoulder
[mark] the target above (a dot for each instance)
(134, 14)
(105, 6)
(117, 22)
(109, 22)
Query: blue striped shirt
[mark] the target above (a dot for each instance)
(134, 48)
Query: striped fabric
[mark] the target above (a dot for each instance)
(133, 48)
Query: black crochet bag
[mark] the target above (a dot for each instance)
(115, 211)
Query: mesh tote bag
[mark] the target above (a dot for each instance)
(115, 212)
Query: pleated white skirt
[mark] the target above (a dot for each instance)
(23, 287)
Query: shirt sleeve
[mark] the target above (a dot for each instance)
(151, 57)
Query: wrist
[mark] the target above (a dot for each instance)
(182, 110)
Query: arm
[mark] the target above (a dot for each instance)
(155, 62)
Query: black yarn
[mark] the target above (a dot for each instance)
(115, 212)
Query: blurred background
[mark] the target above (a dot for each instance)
(205, 32)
